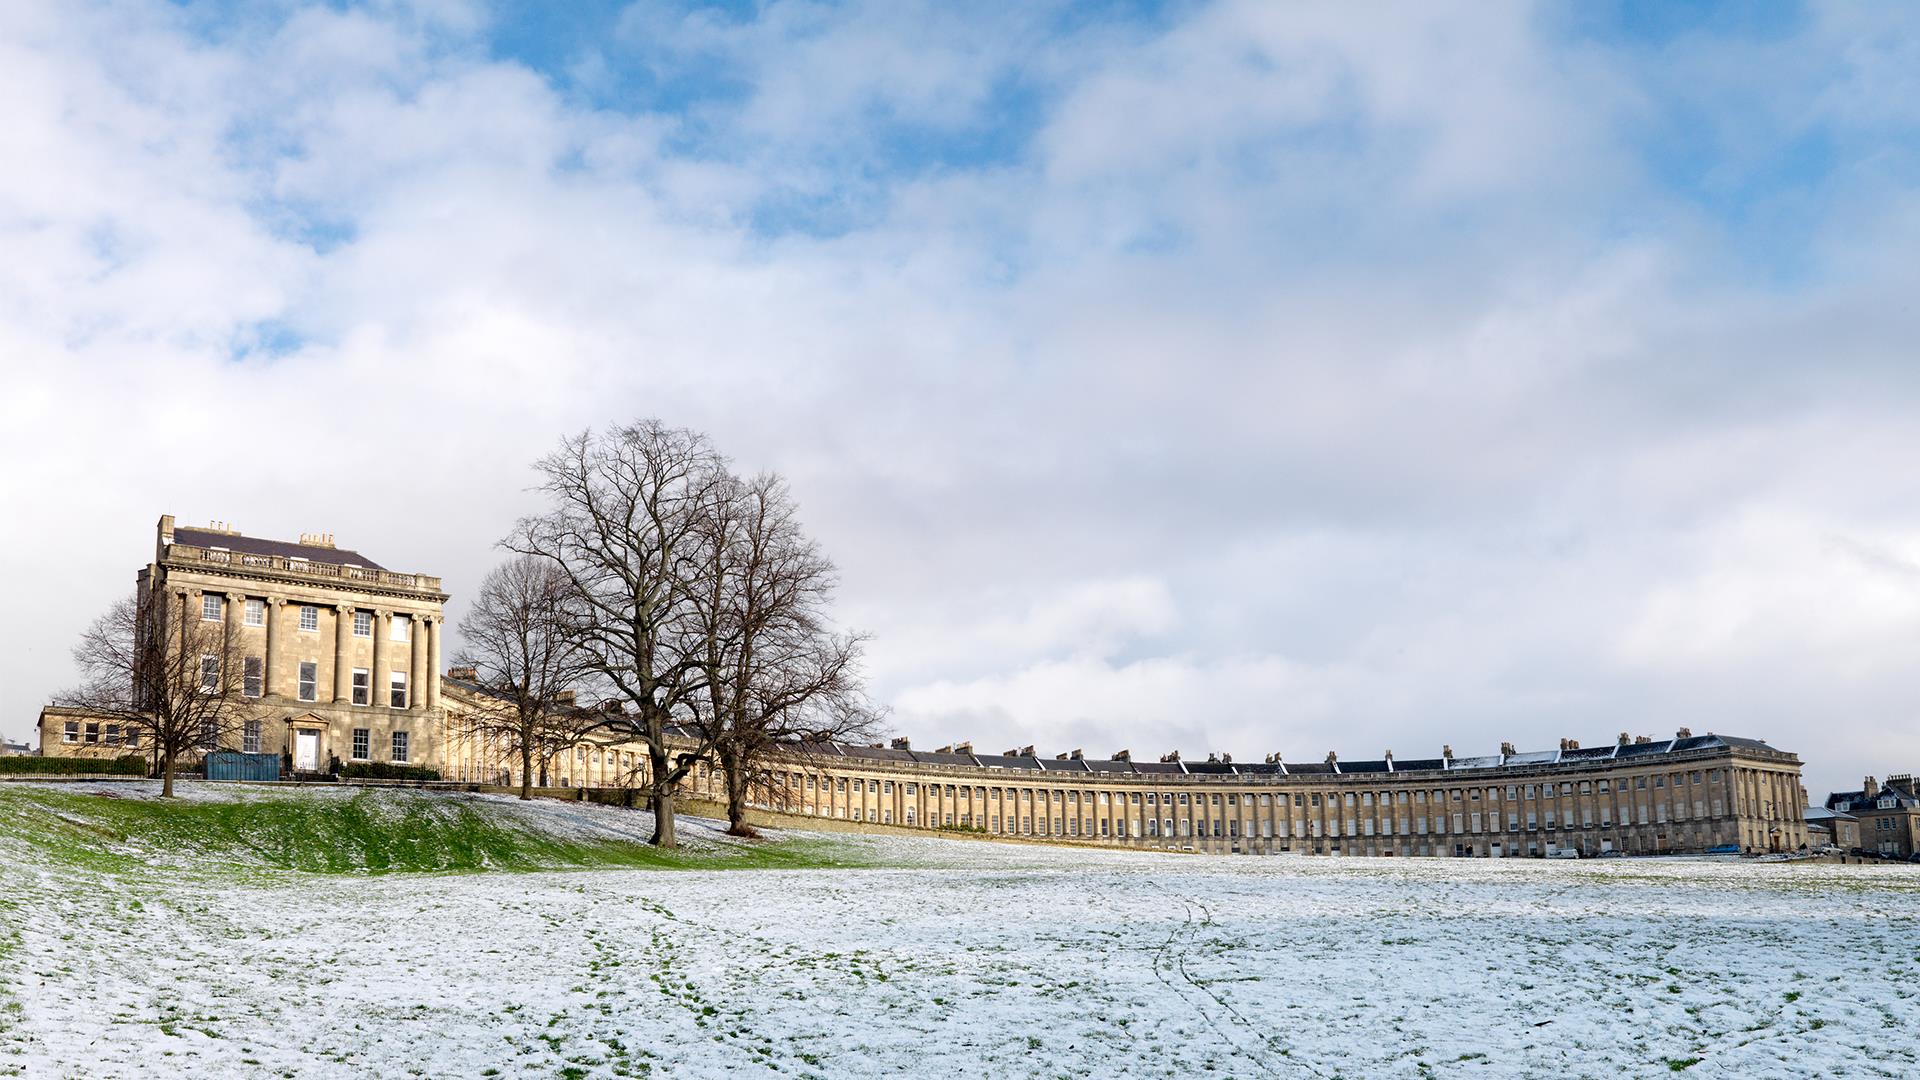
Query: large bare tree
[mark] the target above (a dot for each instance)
(518, 637)
(178, 676)
(780, 680)
(629, 510)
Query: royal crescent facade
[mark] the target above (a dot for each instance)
(344, 648)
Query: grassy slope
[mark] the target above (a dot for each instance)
(388, 832)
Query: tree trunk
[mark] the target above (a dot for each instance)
(526, 771)
(661, 796)
(735, 777)
(166, 775)
(663, 817)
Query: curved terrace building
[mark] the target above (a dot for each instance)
(340, 663)
(1688, 794)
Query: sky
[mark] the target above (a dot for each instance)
(1237, 376)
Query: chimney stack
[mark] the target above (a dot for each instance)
(1506, 749)
(1060, 756)
(467, 673)
(1332, 757)
(1123, 755)
(1214, 758)
(563, 697)
(1027, 751)
(1446, 752)
(1683, 733)
(1077, 755)
(963, 747)
(1170, 757)
(1870, 788)
(1625, 738)
(902, 743)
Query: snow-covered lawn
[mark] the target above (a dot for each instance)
(967, 959)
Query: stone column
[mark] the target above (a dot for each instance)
(417, 663)
(236, 607)
(272, 662)
(381, 680)
(433, 662)
(342, 668)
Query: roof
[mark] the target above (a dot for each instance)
(253, 545)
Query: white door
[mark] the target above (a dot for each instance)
(306, 751)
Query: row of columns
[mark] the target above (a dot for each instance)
(423, 639)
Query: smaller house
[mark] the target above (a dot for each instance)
(1831, 828)
(1887, 815)
(14, 749)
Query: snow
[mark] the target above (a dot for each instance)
(969, 959)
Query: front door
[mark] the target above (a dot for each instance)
(306, 751)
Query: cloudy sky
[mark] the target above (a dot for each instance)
(1222, 376)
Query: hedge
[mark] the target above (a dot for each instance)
(129, 765)
(380, 770)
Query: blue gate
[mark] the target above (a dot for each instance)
(230, 765)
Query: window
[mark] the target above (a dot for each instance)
(250, 737)
(309, 680)
(253, 678)
(256, 613)
(362, 686)
(362, 744)
(397, 691)
(363, 624)
(211, 608)
(209, 674)
(71, 732)
(309, 618)
(399, 631)
(93, 733)
(132, 736)
(399, 746)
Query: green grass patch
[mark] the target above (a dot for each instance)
(326, 832)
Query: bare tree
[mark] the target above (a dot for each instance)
(630, 509)
(780, 681)
(517, 638)
(175, 674)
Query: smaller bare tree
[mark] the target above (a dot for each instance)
(517, 638)
(780, 682)
(152, 663)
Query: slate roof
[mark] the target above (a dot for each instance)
(254, 545)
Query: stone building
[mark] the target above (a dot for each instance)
(1887, 815)
(339, 652)
(1830, 828)
(1689, 794)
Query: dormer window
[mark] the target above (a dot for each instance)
(1888, 802)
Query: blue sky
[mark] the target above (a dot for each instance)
(1224, 375)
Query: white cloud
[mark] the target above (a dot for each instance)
(1303, 383)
